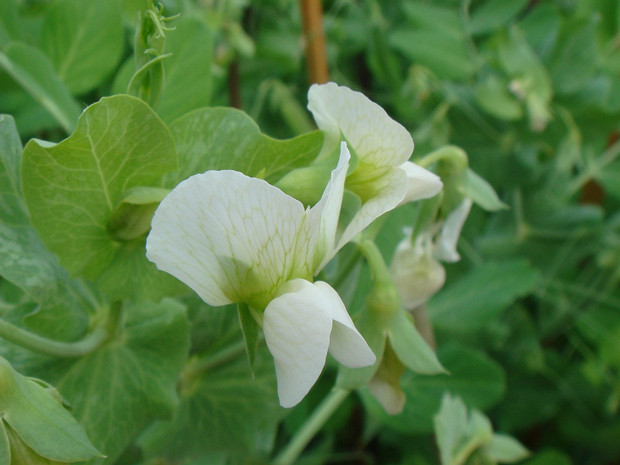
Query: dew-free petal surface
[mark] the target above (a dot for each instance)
(451, 231)
(422, 184)
(297, 328)
(231, 238)
(375, 138)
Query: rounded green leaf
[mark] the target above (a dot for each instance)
(225, 138)
(73, 187)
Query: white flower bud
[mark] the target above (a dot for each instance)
(417, 275)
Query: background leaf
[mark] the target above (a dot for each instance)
(481, 295)
(73, 37)
(117, 390)
(188, 71)
(34, 72)
(225, 409)
(225, 138)
(472, 376)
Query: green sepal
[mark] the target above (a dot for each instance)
(249, 328)
(385, 385)
(410, 346)
(480, 191)
(132, 217)
(40, 421)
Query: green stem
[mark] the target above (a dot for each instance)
(384, 296)
(378, 268)
(450, 153)
(45, 346)
(312, 425)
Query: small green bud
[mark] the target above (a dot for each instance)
(132, 217)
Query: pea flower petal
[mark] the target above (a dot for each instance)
(451, 231)
(422, 184)
(383, 178)
(233, 238)
(301, 325)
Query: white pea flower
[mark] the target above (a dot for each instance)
(383, 177)
(416, 268)
(416, 273)
(232, 238)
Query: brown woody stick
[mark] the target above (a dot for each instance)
(314, 36)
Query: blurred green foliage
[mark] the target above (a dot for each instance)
(529, 321)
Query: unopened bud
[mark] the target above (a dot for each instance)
(417, 275)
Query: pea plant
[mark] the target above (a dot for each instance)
(207, 259)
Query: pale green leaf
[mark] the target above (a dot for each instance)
(73, 187)
(459, 432)
(131, 276)
(84, 40)
(33, 71)
(24, 261)
(494, 97)
(225, 138)
(24, 455)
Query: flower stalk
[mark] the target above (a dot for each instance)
(312, 425)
